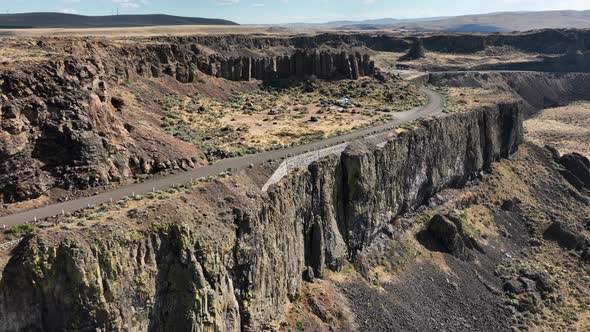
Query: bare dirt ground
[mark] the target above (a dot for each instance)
(566, 128)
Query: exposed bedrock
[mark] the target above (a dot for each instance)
(175, 265)
(574, 167)
(185, 64)
(62, 127)
(554, 41)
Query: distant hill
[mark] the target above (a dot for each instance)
(490, 23)
(336, 24)
(59, 20)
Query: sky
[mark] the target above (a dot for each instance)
(289, 11)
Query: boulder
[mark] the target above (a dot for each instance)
(554, 153)
(529, 302)
(566, 236)
(417, 51)
(513, 286)
(542, 281)
(578, 166)
(509, 205)
(529, 284)
(449, 233)
(309, 275)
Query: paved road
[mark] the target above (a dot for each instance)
(433, 107)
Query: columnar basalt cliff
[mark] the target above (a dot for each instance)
(176, 265)
(301, 64)
(186, 61)
(551, 41)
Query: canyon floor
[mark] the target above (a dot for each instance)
(476, 219)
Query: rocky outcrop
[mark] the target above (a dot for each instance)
(577, 170)
(448, 232)
(537, 90)
(574, 167)
(566, 236)
(62, 127)
(301, 64)
(551, 41)
(416, 170)
(417, 51)
(174, 265)
(186, 64)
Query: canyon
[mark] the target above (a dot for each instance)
(460, 204)
(315, 219)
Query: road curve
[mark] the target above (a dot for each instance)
(434, 106)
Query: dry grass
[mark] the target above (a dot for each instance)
(526, 178)
(141, 31)
(319, 298)
(447, 61)
(566, 128)
(271, 118)
(11, 55)
(468, 99)
(480, 219)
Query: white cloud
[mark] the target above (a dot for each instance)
(128, 3)
(67, 10)
(227, 2)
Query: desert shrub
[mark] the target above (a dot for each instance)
(20, 230)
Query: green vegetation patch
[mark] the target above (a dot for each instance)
(20, 230)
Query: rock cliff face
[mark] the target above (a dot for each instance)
(186, 61)
(176, 265)
(554, 41)
(301, 64)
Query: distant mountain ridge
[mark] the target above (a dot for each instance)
(59, 20)
(490, 23)
(335, 24)
(483, 23)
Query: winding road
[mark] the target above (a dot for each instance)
(434, 106)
